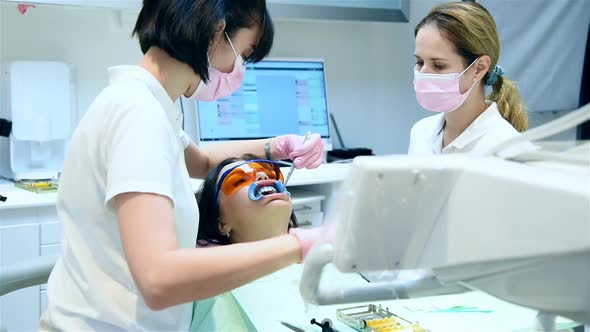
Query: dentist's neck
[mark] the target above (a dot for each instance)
(176, 77)
(456, 122)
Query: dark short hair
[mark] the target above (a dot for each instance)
(208, 232)
(185, 28)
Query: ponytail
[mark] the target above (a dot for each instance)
(506, 95)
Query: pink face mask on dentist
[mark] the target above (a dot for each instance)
(221, 84)
(440, 92)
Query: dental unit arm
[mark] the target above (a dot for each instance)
(519, 231)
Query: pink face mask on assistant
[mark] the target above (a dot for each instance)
(440, 92)
(221, 84)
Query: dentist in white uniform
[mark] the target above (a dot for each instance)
(457, 51)
(130, 218)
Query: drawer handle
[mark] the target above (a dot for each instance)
(307, 223)
(303, 208)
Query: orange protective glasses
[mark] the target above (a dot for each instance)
(246, 173)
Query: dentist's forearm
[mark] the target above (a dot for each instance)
(187, 275)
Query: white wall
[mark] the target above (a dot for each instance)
(369, 65)
(369, 75)
(89, 39)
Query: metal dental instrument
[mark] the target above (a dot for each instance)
(293, 164)
(292, 327)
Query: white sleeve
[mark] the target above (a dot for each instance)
(141, 154)
(412, 143)
(185, 140)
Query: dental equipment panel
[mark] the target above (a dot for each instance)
(517, 230)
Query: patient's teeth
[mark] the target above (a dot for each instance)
(266, 190)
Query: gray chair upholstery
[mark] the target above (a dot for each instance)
(25, 274)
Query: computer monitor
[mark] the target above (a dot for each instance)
(277, 97)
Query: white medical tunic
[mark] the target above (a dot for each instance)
(484, 133)
(128, 141)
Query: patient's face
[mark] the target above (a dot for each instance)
(253, 220)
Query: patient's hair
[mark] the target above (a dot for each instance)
(208, 232)
(472, 29)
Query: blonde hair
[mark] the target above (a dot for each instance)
(472, 29)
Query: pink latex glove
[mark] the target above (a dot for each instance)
(308, 155)
(307, 237)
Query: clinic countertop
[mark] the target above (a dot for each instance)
(19, 198)
(276, 298)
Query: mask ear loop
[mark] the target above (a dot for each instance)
(468, 91)
(474, 79)
(463, 72)
(231, 44)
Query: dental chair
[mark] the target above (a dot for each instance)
(25, 274)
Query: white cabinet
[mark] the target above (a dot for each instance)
(51, 233)
(19, 311)
(42, 301)
(307, 206)
(26, 231)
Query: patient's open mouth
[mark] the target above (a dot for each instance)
(265, 188)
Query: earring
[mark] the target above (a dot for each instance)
(226, 231)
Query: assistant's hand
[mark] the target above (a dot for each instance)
(307, 238)
(308, 155)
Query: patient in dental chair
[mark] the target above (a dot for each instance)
(241, 200)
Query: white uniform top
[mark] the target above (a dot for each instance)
(129, 141)
(485, 132)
